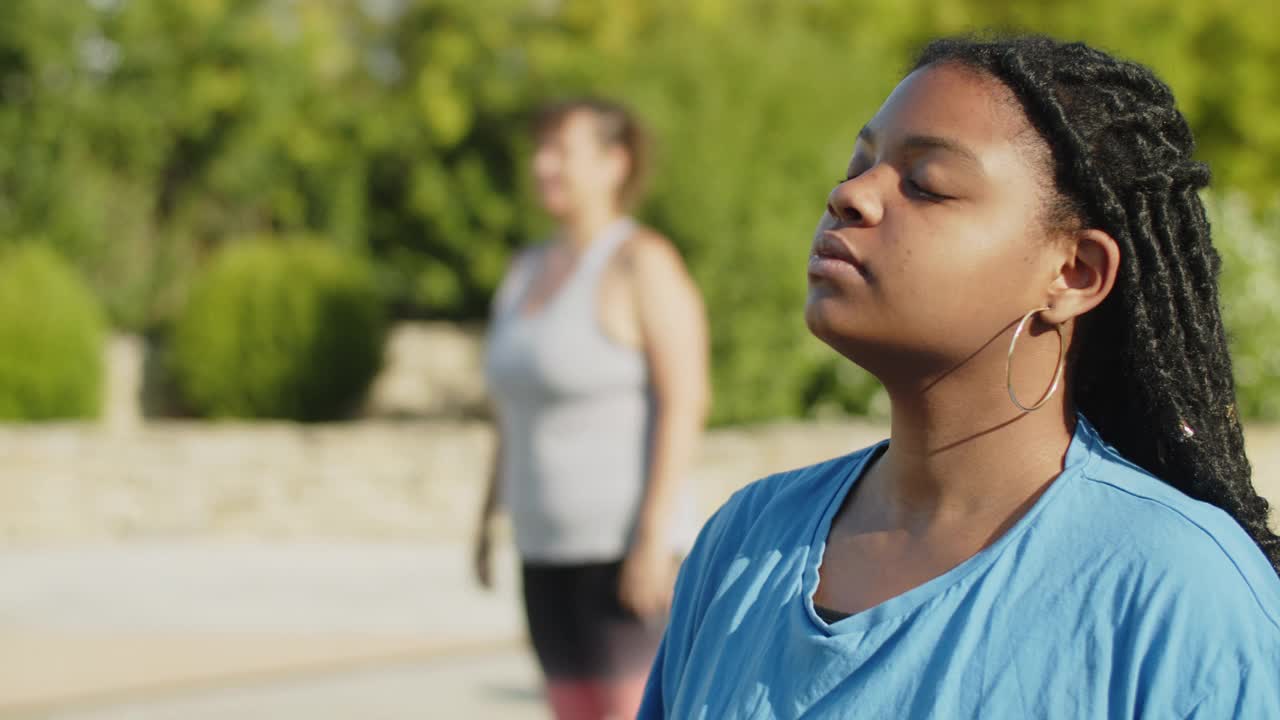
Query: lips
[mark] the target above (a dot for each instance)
(829, 246)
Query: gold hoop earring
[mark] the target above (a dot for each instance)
(1057, 376)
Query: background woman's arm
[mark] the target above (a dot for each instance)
(673, 326)
(483, 548)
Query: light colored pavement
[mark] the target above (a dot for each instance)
(259, 630)
(488, 685)
(173, 628)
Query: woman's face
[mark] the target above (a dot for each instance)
(941, 217)
(573, 170)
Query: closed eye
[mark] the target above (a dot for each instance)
(918, 190)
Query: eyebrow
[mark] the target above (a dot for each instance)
(925, 142)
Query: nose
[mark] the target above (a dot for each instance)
(855, 202)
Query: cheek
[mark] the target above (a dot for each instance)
(960, 274)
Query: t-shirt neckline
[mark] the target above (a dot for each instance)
(1079, 452)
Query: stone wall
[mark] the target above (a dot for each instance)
(404, 471)
(367, 479)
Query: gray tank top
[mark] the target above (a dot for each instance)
(576, 412)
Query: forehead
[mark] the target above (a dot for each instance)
(958, 104)
(576, 127)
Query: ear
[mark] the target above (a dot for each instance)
(1086, 273)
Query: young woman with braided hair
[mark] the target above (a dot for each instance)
(1062, 523)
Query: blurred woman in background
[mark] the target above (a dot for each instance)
(597, 365)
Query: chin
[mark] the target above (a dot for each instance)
(828, 319)
(835, 324)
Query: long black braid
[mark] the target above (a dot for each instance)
(1153, 369)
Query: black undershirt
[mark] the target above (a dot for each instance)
(830, 616)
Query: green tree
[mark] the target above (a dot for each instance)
(144, 136)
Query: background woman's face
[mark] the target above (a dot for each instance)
(573, 170)
(941, 209)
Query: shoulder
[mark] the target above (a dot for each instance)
(646, 241)
(778, 501)
(1191, 551)
(771, 513)
(650, 265)
(647, 251)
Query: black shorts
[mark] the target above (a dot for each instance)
(579, 629)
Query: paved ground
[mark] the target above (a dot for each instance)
(253, 630)
(487, 685)
(195, 630)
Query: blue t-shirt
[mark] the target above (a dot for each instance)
(1115, 596)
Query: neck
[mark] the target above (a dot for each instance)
(960, 448)
(582, 226)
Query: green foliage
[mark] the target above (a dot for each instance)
(51, 338)
(288, 329)
(142, 135)
(750, 149)
(1249, 243)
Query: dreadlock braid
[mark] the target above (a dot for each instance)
(1152, 369)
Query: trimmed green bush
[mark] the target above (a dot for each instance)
(51, 336)
(288, 329)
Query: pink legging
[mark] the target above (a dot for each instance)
(616, 699)
(594, 653)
